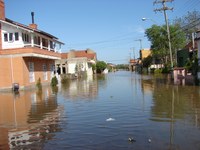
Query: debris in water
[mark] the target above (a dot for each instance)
(149, 140)
(110, 119)
(131, 139)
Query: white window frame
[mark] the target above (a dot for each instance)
(31, 72)
(5, 37)
(45, 76)
(16, 36)
(8, 37)
(52, 69)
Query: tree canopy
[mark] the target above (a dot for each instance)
(157, 35)
(100, 66)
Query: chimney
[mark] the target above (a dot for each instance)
(2, 10)
(33, 25)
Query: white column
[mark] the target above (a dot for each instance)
(41, 43)
(48, 45)
(59, 48)
(32, 40)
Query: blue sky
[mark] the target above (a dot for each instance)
(110, 27)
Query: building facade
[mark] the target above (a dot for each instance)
(76, 61)
(27, 54)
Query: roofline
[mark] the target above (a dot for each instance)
(27, 28)
(3, 21)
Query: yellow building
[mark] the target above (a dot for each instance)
(144, 53)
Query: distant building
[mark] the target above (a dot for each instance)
(132, 64)
(144, 53)
(156, 63)
(76, 61)
(184, 55)
(26, 53)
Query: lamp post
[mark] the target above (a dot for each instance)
(168, 36)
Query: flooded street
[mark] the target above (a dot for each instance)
(121, 110)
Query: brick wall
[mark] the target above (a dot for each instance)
(16, 70)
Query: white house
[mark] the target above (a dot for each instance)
(76, 61)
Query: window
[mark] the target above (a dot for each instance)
(16, 36)
(44, 42)
(31, 72)
(25, 37)
(44, 71)
(52, 45)
(52, 69)
(10, 37)
(5, 37)
(37, 40)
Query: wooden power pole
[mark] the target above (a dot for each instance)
(164, 9)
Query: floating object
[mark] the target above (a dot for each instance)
(110, 119)
(131, 139)
(149, 140)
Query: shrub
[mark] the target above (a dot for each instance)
(38, 84)
(54, 81)
(64, 79)
(100, 66)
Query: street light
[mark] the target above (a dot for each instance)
(144, 19)
(168, 35)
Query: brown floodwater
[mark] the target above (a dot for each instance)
(121, 110)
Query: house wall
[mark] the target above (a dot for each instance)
(144, 54)
(11, 44)
(16, 70)
(2, 10)
(72, 63)
(5, 73)
(0, 37)
(38, 70)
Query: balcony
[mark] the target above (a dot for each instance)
(29, 51)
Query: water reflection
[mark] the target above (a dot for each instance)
(143, 106)
(86, 88)
(28, 118)
(173, 104)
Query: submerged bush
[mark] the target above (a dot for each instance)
(39, 84)
(54, 81)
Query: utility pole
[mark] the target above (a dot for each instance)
(164, 9)
(133, 52)
(140, 40)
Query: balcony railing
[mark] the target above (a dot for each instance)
(56, 49)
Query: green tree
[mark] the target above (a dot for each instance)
(146, 62)
(100, 66)
(157, 35)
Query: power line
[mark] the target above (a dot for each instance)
(188, 5)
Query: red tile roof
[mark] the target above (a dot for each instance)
(84, 53)
(79, 53)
